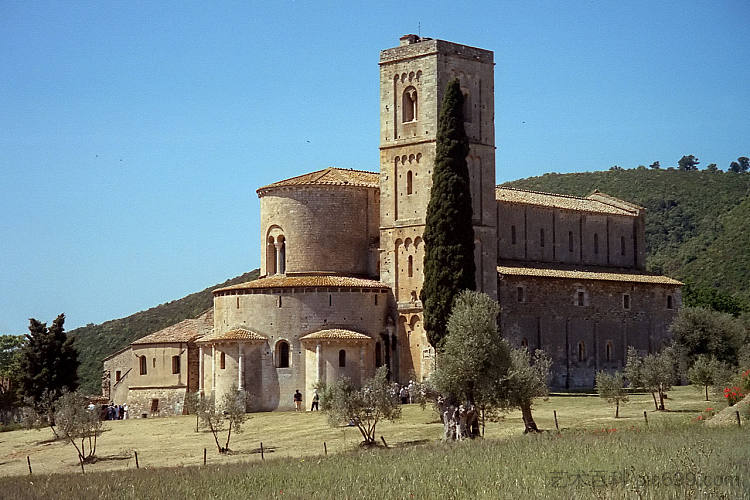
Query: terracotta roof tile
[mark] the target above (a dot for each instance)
(281, 281)
(235, 334)
(595, 203)
(587, 273)
(184, 331)
(337, 334)
(330, 176)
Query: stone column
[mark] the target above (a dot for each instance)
(200, 369)
(319, 361)
(362, 364)
(277, 245)
(213, 369)
(241, 365)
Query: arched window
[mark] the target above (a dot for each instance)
(222, 361)
(270, 257)
(580, 297)
(609, 350)
(581, 351)
(143, 365)
(282, 354)
(525, 343)
(467, 107)
(596, 243)
(409, 183)
(378, 354)
(409, 104)
(342, 358)
(175, 364)
(570, 241)
(670, 305)
(410, 266)
(622, 245)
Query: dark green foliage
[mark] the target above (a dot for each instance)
(448, 236)
(655, 165)
(699, 331)
(95, 342)
(688, 163)
(711, 298)
(654, 373)
(10, 358)
(712, 167)
(740, 166)
(696, 222)
(48, 365)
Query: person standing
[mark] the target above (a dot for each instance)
(315, 401)
(297, 400)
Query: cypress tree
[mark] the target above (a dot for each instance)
(449, 236)
(48, 365)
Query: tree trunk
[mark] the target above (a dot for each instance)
(617, 409)
(528, 419)
(706, 393)
(661, 400)
(656, 405)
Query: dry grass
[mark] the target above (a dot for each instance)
(170, 442)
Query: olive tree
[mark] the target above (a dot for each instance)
(612, 388)
(75, 421)
(230, 412)
(363, 407)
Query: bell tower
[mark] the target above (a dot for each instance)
(413, 77)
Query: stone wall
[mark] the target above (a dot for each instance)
(169, 401)
(119, 365)
(288, 315)
(326, 229)
(543, 313)
(537, 234)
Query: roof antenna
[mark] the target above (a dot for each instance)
(419, 29)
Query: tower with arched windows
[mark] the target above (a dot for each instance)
(413, 77)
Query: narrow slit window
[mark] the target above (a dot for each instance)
(410, 266)
(670, 304)
(409, 182)
(525, 343)
(626, 301)
(622, 245)
(143, 365)
(596, 243)
(541, 238)
(222, 361)
(283, 355)
(175, 364)
(513, 235)
(570, 241)
(376, 299)
(519, 294)
(609, 351)
(581, 298)
(581, 351)
(342, 358)
(330, 300)
(409, 104)
(118, 375)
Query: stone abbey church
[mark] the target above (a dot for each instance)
(342, 257)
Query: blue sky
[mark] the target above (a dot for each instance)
(133, 134)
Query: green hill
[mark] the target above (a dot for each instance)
(95, 342)
(697, 222)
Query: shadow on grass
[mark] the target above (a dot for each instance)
(406, 444)
(256, 451)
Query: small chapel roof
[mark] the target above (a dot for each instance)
(184, 331)
(586, 273)
(235, 334)
(282, 281)
(330, 176)
(337, 334)
(596, 202)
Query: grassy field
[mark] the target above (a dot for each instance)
(587, 459)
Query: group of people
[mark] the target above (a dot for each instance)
(298, 401)
(111, 411)
(407, 392)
